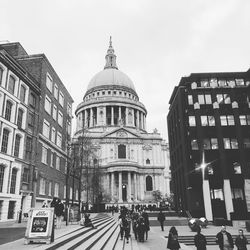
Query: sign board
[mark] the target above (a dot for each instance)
(40, 227)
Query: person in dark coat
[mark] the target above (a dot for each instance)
(146, 220)
(161, 219)
(87, 221)
(173, 242)
(241, 241)
(224, 239)
(141, 227)
(200, 240)
(59, 211)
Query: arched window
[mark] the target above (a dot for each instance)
(147, 161)
(13, 181)
(20, 118)
(149, 183)
(95, 162)
(5, 141)
(1, 177)
(121, 151)
(8, 110)
(22, 93)
(11, 85)
(17, 145)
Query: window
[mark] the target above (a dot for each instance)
(32, 100)
(1, 177)
(55, 112)
(222, 83)
(53, 135)
(69, 109)
(217, 194)
(17, 145)
(13, 181)
(47, 105)
(59, 140)
(42, 186)
(210, 170)
(28, 148)
(207, 120)
(246, 142)
(121, 151)
(50, 189)
(44, 155)
(230, 143)
(46, 129)
(192, 122)
(31, 120)
(5, 140)
(22, 94)
(237, 193)
(11, 85)
(20, 118)
(147, 161)
(239, 82)
(227, 120)
(213, 82)
(56, 193)
(214, 143)
(69, 127)
(149, 183)
(244, 120)
(194, 144)
(49, 83)
(237, 168)
(57, 162)
(223, 98)
(8, 110)
(204, 99)
(1, 77)
(204, 83)
(206, 144)
(56, 91)
(60, 118)
(26, 175)
(61, 99)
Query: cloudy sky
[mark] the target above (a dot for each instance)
(156, 41)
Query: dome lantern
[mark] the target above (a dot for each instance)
(110, 57)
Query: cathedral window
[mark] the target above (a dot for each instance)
(149, 183)
(103, 92)
(121, 151)
(109, 92)
(147, 161)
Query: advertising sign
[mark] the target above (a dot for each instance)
(40, 227)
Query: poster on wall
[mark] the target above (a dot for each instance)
(40, 226)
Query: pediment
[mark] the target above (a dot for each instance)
(121, 133)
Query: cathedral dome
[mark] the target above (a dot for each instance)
(111, 76)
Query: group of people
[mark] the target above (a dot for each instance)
(138, 221)
(223, 239)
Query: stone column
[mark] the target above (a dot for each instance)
(142, 121)
(108, 184)
(142, 185)
(126, 110)
(112, 115)
(228, 198)
(91, 117)
(133, 117)
(120, 187)
(86, 118)
(137, 119)
(129, 187)
(104, 116)
(135, 183)
(120, 113)
(145, 126)
(112, 186)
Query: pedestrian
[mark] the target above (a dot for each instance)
(161, 219)
(224, 239)
(59, 211)
(146, 220)
(88, 222)
(173, 242)
(241, 241)
(200, 240)
(121, 226)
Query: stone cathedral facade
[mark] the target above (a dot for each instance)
(133, 162)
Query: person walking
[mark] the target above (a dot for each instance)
(224, 239)
(161, 219)
(59, 210)
(200, 240)
(241, 241)
(173, 242)
(146, 220)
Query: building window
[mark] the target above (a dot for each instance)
(31, 120)
(46, 129)
(69, 108)
(217, 194)
(28, 148)
(222, 83)
(50, 189)
(207, 120)
(147, 161)
(206, 144)
(246, 142)
(59, 140)
(26, 175)
(237, 193)
(1, 177)
(191, 120)
(47, 105)
(204, 99)
(42, 186)
(204, 83)
(194, 144)
(69, 127)
(20, 118)
(214, 143)
(32, 100)
(13, 181)
(49, 83)
(61, 98)
(237, 168)
(56, 193)
(121, 151)
(210, 170)
(5, 140)
(56, 91)
(22, 94)
(8, 110)
(60, 118)
(227, 120)
(44, 155)
(223, 98)
(149, 183)
(55, 112)
(230, 143)
(244, 120)
(57, 162)
(53, 135)
(11, 85)
(17, 145)
(239, 82)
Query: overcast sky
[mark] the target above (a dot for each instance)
(156, 41)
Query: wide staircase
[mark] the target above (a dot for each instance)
(104, 236)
